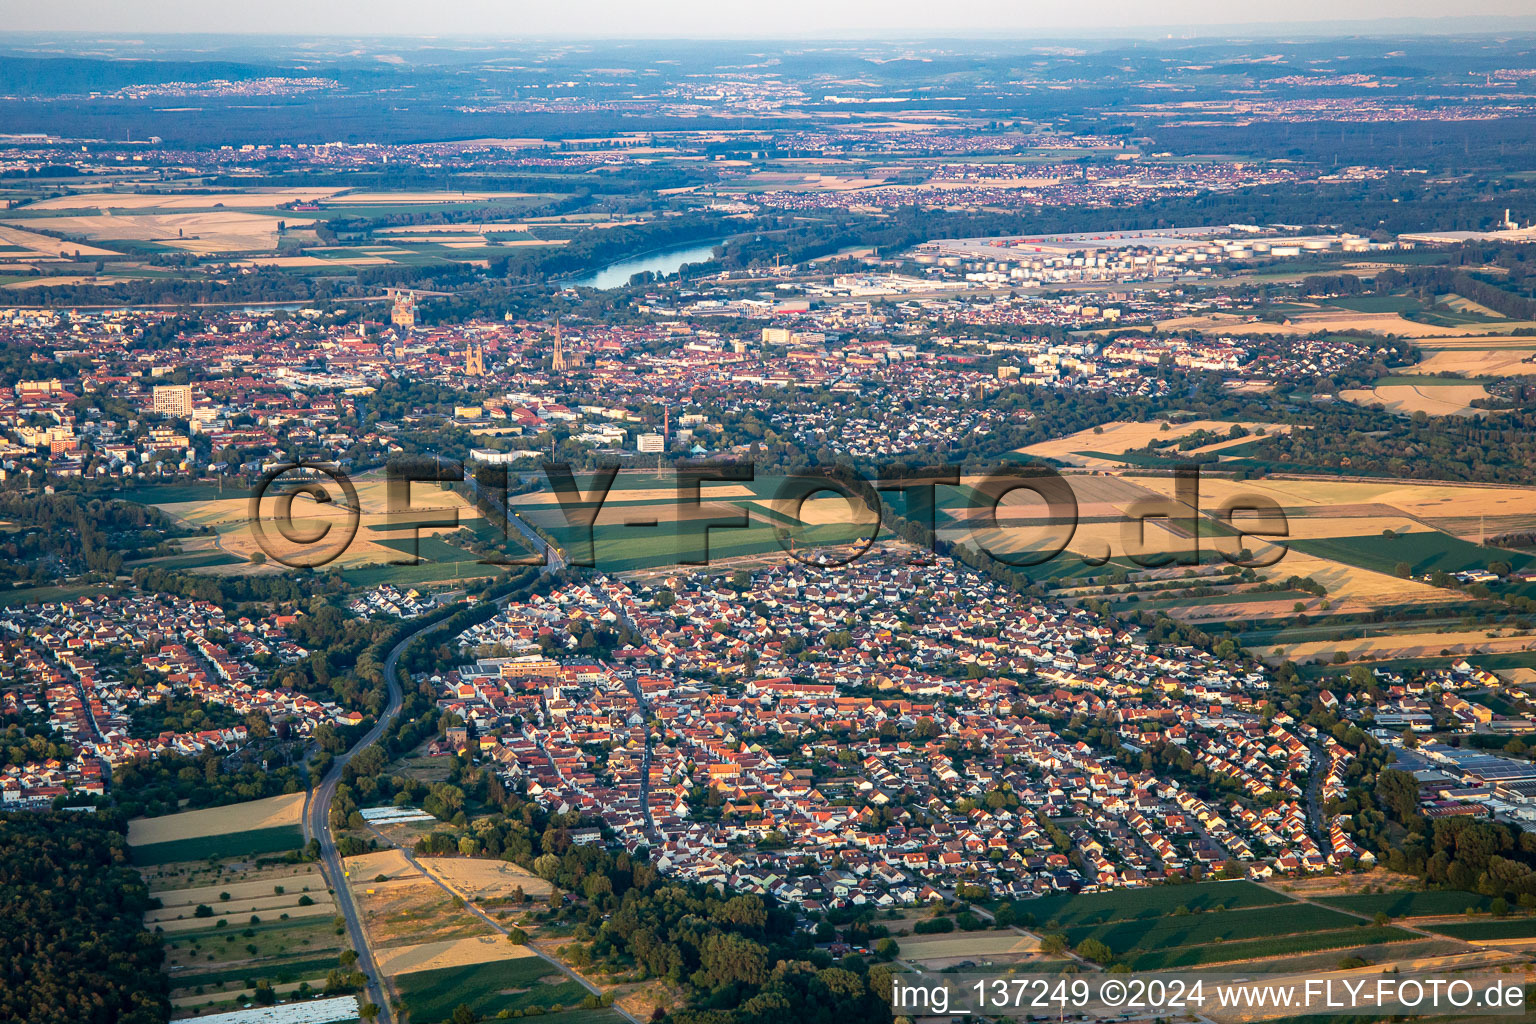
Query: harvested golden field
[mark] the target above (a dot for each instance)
(413, 198)
(1326, 497)
(12, 236)
(411, 911)
(428, 956)
(1509, 362)
(1462, 304)
(1122, 436)
(230, 517)
(484, 879)
(247, 198)
(969, 945)
(219, 231)
(1436, 400)
(217, 821)
(368, 866)
(828, 510)
(1349, 583)
(1410, 645)
(1330, 321)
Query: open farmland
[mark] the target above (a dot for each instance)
(941, 950)
(369, 547)
(1098, 446)
(31, 245)
(254, 827)
(1436, 400)
(204, 233)
(257, 198)
(1493, 356)
(487, 988)
(429, 956)
(1409, 904)
(1279, 945)
(482, 880)
(227, 926)
(1069, 911)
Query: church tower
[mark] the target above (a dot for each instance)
(474, 359)
(557, 361)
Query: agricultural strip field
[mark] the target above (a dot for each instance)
(1141, 904)
(226, 926)
(234, 830)
(1489, 931)
(1224, 926)
(1409, 904)
(278, 839)
(1423, 552)
(1274, 946)
(487, 988)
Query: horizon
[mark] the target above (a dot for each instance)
(802, 20)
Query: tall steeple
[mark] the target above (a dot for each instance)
(557, 363)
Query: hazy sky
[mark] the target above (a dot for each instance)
(711, 18)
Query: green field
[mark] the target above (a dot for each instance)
(1409, 904)
(431, 996)
(1140, 904)
(278, 839)
(275, 971)
(1377, 303)
(425, 572)
(428, 548)
(1276, 946)
(1424, 552)
(165, 494)
(617, 548)
(1165, 932)
(1520, 928)
(18, 596)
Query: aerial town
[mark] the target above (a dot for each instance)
(733, 530)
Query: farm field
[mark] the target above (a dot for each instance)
(1268, 948)
(245, 198)
(1406, 645)
(1409, 904)
(404, 908)
(1485, 930)
(203, 233)
(250, 843)
(1122, 436)
(368, 550)
(1137, 904)
(226, 926)
(1440, 399)
(480, 880)
(937, 950)
(253, 827)
(253, 814)
(1423, 552)
(35, 246)
(1490, 356)
(487, 988)
(427, 956)
(1181, 926)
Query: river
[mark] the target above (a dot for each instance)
(661, 262)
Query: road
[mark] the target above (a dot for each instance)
(317, 825)
(317, 805)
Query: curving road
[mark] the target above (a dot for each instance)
(317, 812)
(317, 803)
